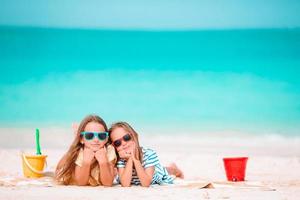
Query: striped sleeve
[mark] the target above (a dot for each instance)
(121, 164)
(150, 158)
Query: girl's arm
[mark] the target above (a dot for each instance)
(106, 174)
(82, 173)
(126, 173)
(145, 175)
(106, 169)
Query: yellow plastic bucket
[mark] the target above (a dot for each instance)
(33, 165)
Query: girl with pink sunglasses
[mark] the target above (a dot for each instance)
(137, 165)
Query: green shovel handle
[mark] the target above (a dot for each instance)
(37, 141)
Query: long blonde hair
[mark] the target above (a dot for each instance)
(66, 167)
(132, 133)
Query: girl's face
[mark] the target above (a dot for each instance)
(119, 136)
(94, 144)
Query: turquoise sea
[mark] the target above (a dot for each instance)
(175, 81)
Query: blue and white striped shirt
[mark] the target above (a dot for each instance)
(160, 176)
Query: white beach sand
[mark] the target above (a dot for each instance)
(272, 170)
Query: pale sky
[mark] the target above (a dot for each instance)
(151, 14)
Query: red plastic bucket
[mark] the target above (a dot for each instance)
(235, 168)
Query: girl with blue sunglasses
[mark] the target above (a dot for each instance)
(90, 159)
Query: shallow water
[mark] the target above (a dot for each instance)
(170, 82)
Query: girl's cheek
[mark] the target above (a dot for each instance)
(121, 153)
(131, 143)
(102, 144)
(119, 149)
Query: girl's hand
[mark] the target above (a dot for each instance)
(134, 153)
(124, 154)
(88, 155)
(101, 155)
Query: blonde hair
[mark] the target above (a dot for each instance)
(66, 167)
(132, 133)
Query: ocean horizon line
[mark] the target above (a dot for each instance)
(131, 29)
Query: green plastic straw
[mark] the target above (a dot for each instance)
(37, 141)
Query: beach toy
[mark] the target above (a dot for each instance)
(33, 165)
(37, 142)
(235, 168)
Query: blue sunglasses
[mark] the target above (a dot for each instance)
(91, 135)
